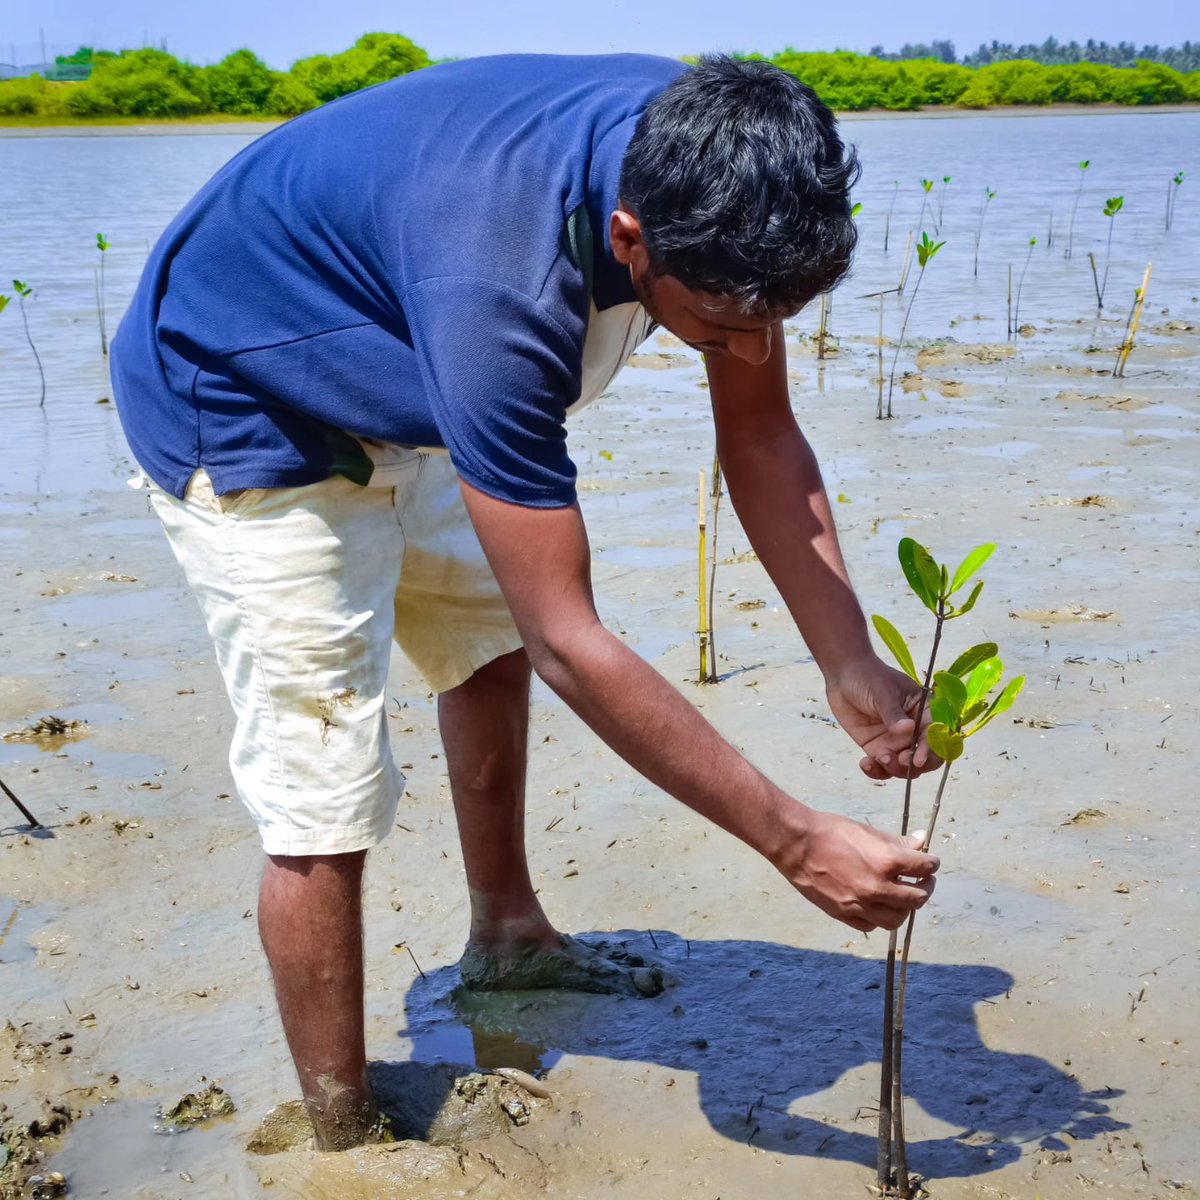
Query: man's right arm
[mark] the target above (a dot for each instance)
(542, 561)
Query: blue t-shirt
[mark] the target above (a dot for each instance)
(417, 264)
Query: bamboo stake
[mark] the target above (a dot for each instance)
(33, 821)
(879, 344)
(703, 630)
(821, 326)
(1010, 325)
(1096, 284)
(1131, 332)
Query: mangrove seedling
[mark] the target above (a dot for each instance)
(715, 496)
(1112, 206)
(1172, 192)
(926, 249)
(1016, 318)
(937, 225)
(960, 702)
(102, 246)
(926, 188)
(24, 291)
(1083, 166)
(988, 197)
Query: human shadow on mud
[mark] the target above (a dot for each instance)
(763, 1026)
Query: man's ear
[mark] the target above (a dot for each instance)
(625, 237)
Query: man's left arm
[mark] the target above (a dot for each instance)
(775, 485)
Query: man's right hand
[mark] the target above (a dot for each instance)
(857, 874)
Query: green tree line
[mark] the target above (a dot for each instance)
(1052, 53)
(153, 83)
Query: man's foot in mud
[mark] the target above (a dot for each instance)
(560, 962)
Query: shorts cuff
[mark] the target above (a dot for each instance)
(290, 842)
(448, 675)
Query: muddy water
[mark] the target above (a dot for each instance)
(1053, 1030)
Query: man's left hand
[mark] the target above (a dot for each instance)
(876, 705)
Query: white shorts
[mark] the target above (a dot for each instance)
(303, 590)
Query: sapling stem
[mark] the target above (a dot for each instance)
(941, 204)
(926, 187)
(1112, 206)
(23, 290)
(715, 496)
(1083, 166)
(887, 220)
(988, 196)
(1016, 319)
(926, 249)
(102, 246)
(879, 361)
(907, 260)
(1096, 283)
(1172, 192)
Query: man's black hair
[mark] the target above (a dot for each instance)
(741, 185)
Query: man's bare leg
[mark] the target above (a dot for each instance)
(485, 726)
(310, 921)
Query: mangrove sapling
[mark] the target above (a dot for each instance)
(715, 496)
(937, 225)
(1016, 317)
(702, 607)
(926, 249)
(102, 246)
(926, 188)
(988, 197)
(23, 291)
(1172, 192)
(1112, 206)
(1083, 166)
(960, 704)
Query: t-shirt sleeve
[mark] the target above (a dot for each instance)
(499, 370)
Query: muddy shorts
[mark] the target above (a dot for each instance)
(303, 590)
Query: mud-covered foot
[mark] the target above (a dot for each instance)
(564, 963)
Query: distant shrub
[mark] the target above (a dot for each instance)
(22, 97)
(238, 84)
(140, 83)
(375, 57)
(289, 97)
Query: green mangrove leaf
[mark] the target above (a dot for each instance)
(3, 302)
(951, 689)
(941, 711)
(969, 602)
(982, 679)
(1002, 703)
(893, 640)
(921, 572)
(945, 743)
(970, 659)
(971, 564)
(972, 711)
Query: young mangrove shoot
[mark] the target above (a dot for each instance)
(24, 291)
(988, 197)
(926, 249)
(1016, 317)
(102, 246)
(937, 225)
(1172, 192)
(926, 188)
(1112, 206)
(1083, 166)
(960, 702)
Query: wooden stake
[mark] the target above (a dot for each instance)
(715, 494)
(821, 326)
(1135, 319)
(33, 821)
(907, 259)
(879, 343)
(1010, 328)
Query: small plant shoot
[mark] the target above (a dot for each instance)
(961, 700)
(24, 291)
(988, 196)
(1083, 166)
(926, 249)
(1016, 319)
(1172, 194)
(102, 246)
(1112, 206)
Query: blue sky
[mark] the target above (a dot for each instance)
(280, 33)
